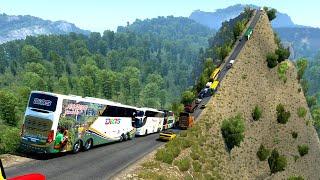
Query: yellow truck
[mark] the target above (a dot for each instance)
(215, 74)
(214, 86)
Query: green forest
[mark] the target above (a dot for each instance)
(141, 65)
(311, 84)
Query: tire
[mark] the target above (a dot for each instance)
(76, 147)
(88, 144)
(121, 137)
(146, 133)
(125, 137)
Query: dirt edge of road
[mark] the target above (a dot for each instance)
(10, 160)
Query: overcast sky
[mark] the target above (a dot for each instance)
(99, 15)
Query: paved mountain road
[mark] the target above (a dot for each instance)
(101, 162)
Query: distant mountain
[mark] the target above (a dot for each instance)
(18, 27)
(173, 29)
(304, 40)
(214, 19)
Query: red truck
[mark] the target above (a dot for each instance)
(190, 107)
(185, 120)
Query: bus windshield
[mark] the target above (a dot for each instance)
(43, 102)
(137, 123)
(140, 113)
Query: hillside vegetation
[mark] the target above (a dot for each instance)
(136, 68)
(270, 114)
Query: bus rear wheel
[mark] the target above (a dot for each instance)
(88, 144)
(76, 147)
(123, 137)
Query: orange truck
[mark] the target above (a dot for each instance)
(185, 120)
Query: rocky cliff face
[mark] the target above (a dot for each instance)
(18, 27)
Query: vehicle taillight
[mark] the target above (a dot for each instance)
(50, 136)
(22, 130)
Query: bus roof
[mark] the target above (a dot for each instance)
(215, 72)
(149, 109)
(86, 99)
(248, 32)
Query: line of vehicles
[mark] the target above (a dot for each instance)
(210, 89)
(57, 123)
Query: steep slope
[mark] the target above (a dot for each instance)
(262, 87)
(18, 27)
(214, 19)
(249, 83)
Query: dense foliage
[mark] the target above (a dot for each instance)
(303, 149)
(256, 113)
(233, 131)
(271, 13)
(282, 115)
(263, 153)
(277, 162)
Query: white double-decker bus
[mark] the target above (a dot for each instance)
(148, 121)
(57, 123)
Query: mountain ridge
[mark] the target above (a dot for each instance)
(15, 27)
(215, 18)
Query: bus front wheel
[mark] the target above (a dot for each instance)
(88, 144)
(76, 147)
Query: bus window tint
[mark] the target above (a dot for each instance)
(113, 111)
(43, 102)
(140, 113)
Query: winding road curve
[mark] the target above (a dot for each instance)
(105, 161)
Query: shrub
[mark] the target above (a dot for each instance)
(151, 164)
(151, 175)
(164, 156)
(8, 108)
(256, 114)
(195, 155)
(174, 147)
(187, 97)
(282, 70)
(183, 134)
(282, 115)
(263, 153)
(196, 166)
(271, 13)
(294, 135)
(276, 162)
(183, 164)
(272, 60)
(303, 149)
(282, 53)
(301, 64)
(232, 131)
(9, 139)
(295, 178)
(302, 112)
(185, 143)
